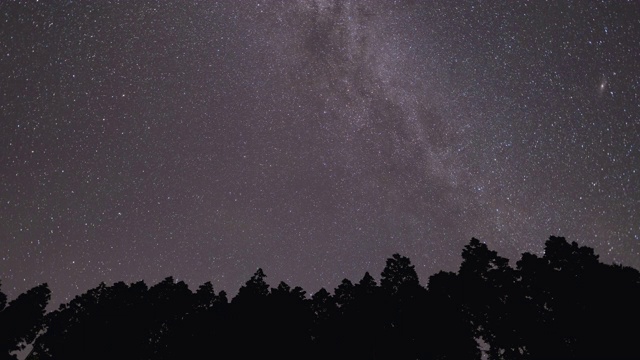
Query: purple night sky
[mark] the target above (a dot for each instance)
(312, 138)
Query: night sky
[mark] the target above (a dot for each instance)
(312, 138)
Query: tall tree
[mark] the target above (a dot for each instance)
(203, 323)
(344, 294)
(399, 274)
(169, 301)
(449, 331)
(291, 321)
(404, 300)
(255, 288)
(493, 306)
(22, 319)
(325, 321)
(252, 315)
(109, 318)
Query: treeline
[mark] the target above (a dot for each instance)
(563, 305)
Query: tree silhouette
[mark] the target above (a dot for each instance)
(399, 275)
(493, 306)
(323, 305)
(565, 304)
(21, 319)
(583, 309)
(290, 322)
(105, 322)
(405, 309)
(451, 334)
(255, 319)
(255, 289)
(344, 293)
(204, 321)
(324, 309)
(534, 284)
(363, 321)
(169, 301)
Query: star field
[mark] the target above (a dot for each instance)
(312, 138)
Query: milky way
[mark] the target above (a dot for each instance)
(312, 138)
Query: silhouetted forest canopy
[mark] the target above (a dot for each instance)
(565, 304)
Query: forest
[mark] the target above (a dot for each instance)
(565, 304)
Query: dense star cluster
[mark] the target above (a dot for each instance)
(312, 138)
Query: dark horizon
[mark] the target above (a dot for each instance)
(231, 293)
(564, 305)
